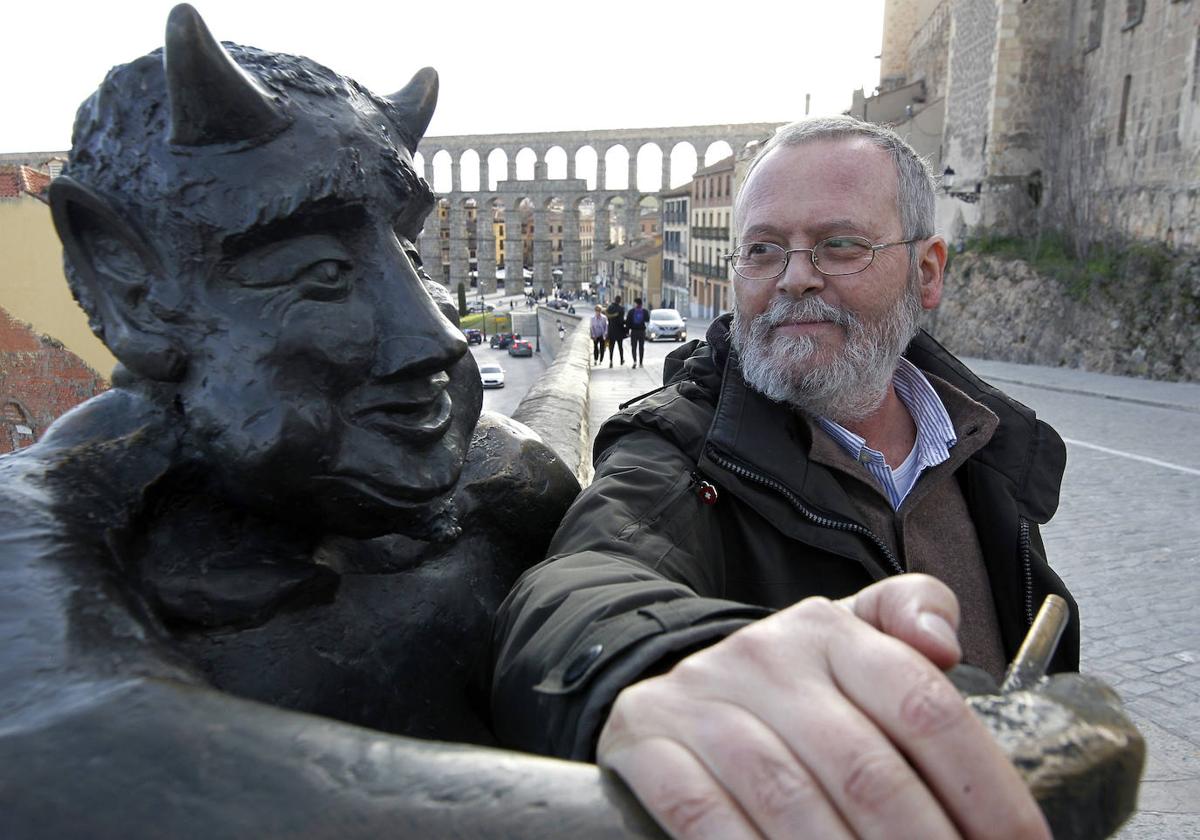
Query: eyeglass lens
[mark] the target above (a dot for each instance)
(837, 255)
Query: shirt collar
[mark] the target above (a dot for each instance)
(935, 431)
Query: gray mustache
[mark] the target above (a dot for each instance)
(806, 310)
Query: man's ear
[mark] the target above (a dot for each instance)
(116, 272)
(931, 264)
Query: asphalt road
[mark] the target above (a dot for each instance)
(520, 372)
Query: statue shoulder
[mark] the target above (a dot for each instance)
(512, 484)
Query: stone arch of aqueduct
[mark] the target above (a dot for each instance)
(448, 241)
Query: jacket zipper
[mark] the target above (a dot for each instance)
(1026, 568)
(811, 516)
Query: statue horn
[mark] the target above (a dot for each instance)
(412, 107)
(213, 100)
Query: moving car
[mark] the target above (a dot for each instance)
(473, 336)
(520, 347)
(477, 307)
(501, 340)
(666, 323)
(491, 374)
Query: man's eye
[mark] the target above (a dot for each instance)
(324, 280)
(759, 249)
(838, 243)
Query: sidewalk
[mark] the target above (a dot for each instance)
(612, 386)
(1178, 395)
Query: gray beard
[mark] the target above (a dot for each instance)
(846, 389)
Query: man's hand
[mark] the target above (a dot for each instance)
(825, 720)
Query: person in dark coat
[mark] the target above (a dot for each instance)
(636, 321)
(748, 613)
(616, 329)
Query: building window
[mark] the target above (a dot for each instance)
(1124, 110)
(1134, 9)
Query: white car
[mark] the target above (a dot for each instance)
(491, 374)
(666, 323)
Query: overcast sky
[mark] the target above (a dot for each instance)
(521, 65)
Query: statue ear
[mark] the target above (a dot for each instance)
(116, 271)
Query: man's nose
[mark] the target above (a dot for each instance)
(800, 277)
(415, 339)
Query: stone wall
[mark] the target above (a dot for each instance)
(929, 51)
(556, 407)
(1148, 141)
(1001, 309)
(39, 381)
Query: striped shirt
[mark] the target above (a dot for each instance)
(935, 435)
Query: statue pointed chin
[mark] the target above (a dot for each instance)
(213, 101)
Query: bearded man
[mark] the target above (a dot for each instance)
(748, 613)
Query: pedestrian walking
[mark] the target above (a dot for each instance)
(616, 329)
(562, 332)
(636, 322)
(599, 332)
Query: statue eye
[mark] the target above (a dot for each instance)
(324, 280)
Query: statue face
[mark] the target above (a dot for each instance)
(240, 225)
(323, 378)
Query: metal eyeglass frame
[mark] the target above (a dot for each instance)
(812, 255)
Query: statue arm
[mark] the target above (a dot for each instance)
(151, 758)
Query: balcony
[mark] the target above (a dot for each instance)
(720, 233)
(711, 271)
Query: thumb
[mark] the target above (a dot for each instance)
(919, 610)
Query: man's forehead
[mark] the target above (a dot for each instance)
(848, 171)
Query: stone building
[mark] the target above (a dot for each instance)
(675, 216)
(1080, 116)
(39, 381)
(592, 178)
(641, 272)
(711, 203)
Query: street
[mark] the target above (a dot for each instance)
(519, 375)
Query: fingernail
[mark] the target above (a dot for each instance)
(939, 628)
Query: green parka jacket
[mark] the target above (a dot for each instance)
(706, 514)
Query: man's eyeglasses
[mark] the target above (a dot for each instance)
(834, 257)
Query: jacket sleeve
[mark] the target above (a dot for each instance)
(631, 584)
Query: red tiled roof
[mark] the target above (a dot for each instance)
(15, 180)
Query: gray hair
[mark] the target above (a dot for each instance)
(914, 180)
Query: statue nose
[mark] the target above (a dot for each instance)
(408, 353)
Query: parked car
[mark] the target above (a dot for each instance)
(666, 323)
(500, 341)
(491, 374)
(520, 347)
(473, 336)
